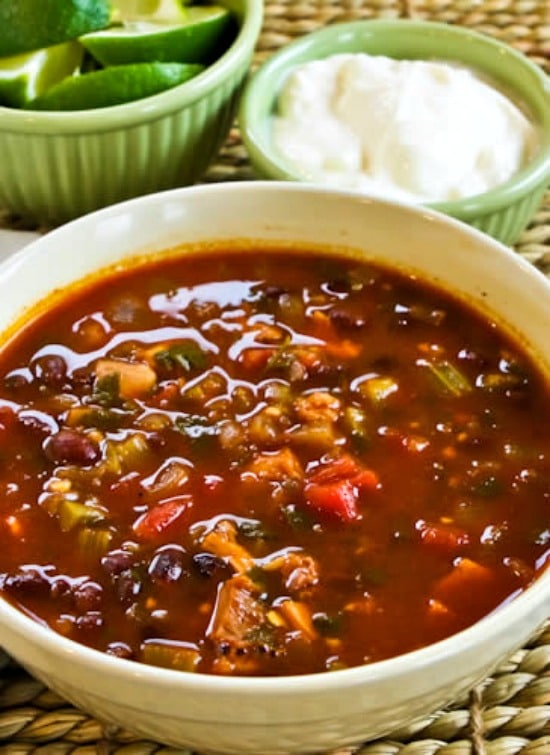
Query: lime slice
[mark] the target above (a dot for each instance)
(30, 25)
(197, 39)
(27, 76)
(163, 11)
(114, 86)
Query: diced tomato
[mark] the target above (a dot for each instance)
(334, 487)
(337, 499)
(345, 467)
(442, 536)
(366, 479)
(155, 521)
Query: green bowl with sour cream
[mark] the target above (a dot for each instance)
(503, 211)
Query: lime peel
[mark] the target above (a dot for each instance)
(197, 40)
(115, 86)
(27, 25)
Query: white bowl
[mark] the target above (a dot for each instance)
(318, 711)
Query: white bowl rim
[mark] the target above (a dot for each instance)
(508, 613)
(147, 108)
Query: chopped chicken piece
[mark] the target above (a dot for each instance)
(135, 378)
(278, 466)
(318, 407)
(222, 542)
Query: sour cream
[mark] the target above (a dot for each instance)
(414, 130)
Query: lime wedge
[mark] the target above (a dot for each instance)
(163, 11)
(31, 25)
(114, 86)
(27, 76)
(197, 39)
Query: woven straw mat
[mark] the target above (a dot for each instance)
(509, 712)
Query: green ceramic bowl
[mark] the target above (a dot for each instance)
(56, 166)
(502, 212)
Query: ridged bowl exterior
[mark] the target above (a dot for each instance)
(507, 223)
(59, 171)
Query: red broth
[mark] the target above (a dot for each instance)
(268, 464)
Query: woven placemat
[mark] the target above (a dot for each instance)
(509, 712)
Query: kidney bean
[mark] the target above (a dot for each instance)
(51, 369)
(71, 447)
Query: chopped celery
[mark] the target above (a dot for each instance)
(281, 359)
(357, 425)
(449, 378)
(126, 455)
(320, 436)
(73, 513)
(170, 655)
(96, 416)
(94, 542)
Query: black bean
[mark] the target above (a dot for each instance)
(61, 588)
(31, 580)
(167, 564)
(207, 564)
(71, 447)
(117, 561)
(88, 597)
(128, 585)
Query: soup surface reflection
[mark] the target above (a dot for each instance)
(267, 464)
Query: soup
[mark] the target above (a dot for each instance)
(267, 464)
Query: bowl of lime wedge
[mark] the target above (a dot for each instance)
(104, 100)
